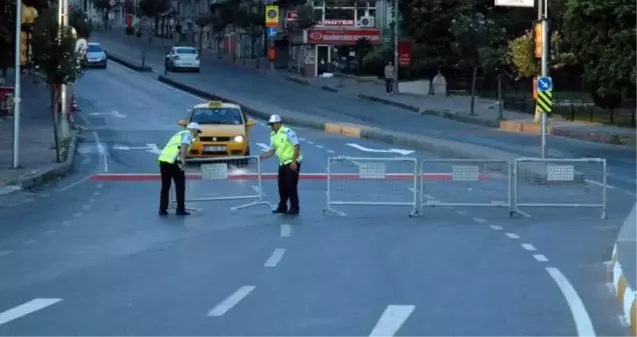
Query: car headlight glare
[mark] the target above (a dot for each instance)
(238, 139)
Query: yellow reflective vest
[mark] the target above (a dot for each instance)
(170, 152)
(282, 146)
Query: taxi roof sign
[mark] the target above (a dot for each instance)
(215, 104)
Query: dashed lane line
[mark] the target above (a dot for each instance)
(512, 235)
(540, 258)
(30, 242)
(4, 252)
(275, 258)
(479, 220)
(67, 223)
(392, 319)
(77, 214)
(232, 300)
(496, 227)
(528, 246)
(26, 308)
(286, 230)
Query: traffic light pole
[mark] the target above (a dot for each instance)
(396, 31)
(545, 61)
(16, 87)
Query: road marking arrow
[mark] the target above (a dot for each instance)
(113, 113)
(362, 148)
(152, 148)
(264, 147)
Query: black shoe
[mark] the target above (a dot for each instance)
(182, 213)
(294, 211)
(279, 211)
(163, 213)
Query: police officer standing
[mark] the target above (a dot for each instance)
(172, 165)
(285, 144)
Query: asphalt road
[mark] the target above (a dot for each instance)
(89, 256)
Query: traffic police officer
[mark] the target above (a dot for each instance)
(172, 164)
(285, 144)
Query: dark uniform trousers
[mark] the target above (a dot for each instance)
(288, 184)
(170, 172)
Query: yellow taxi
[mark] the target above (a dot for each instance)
(224, 130)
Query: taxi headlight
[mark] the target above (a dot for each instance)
(238, 139)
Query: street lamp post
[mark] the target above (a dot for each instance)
(396, 31)
(544, 16)
(16, 88)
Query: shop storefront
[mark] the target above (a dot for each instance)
(335, 47)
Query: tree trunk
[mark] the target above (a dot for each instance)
(474, 75)
(54, 113)
(200, 41)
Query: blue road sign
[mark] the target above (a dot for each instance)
(272, 31)
(544, 84)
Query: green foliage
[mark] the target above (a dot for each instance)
(81, 23)
(602, 36)
(153, 8)
(7, 33)
(472, 33)
(54, 50)
(523, 61)
(202, 20)
(101, 4)
(306, 19)
(374, 62)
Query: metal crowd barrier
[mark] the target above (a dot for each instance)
(238, 169)
(544, 182)
(465, 183)
(394, 182)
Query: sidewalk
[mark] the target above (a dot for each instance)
(37, 142)
(454, 107)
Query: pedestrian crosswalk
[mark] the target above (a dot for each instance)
(27, 308)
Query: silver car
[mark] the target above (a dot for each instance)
(96, 55)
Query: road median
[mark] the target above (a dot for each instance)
(128, 64)
(624, 270)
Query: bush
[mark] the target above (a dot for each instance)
(130, 30)
(374, 62)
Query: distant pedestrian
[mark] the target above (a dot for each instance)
(390, 76)
(285, 144)
(172, 166)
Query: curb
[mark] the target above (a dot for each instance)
(44, 176)
(444, 148)
(118, 59)
(390, 102)
(624, 291)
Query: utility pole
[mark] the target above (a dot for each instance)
(62, 13)
(396, 31)
(543, 16)
(16, 87)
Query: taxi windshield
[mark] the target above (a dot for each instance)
(230, 116)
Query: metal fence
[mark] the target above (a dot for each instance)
(542, 182)
(371, 182)
(226, 179)
(465, 183)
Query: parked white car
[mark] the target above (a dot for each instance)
(182, 58)
(96, 55)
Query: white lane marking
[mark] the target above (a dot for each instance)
(26, 308)
(512, 235)
(96, 193)
(30, 242)
(583, 322)
(427, 196)
(310, 142)
(330, 151)
(479, 220)
(5, 252)
(286, 230)
(540, 258)
(232, 300)
(87, 207)
(91, 200)
(264, 147)
(496, 227)
(461, 212)
(100, 185)
(102, 151)
(257, 190)
(528, 246)
(392, 319)
(49, 232)
(77, 215)
(599, 184)
(45, 195)
(319, 146)
(302, 139)
(275, 258)
(67, 223)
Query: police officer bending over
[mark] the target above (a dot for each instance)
(285, 144)
(172, 165)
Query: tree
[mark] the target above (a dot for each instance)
(7, 35)
(152, 9)
(472, 33)
(81, 23)
(202, 21)
(54, 56)
(602, 36)
(523, 60)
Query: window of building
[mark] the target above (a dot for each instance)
(361, 12)
(339, 13)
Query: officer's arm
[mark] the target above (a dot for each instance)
(186, 139)
(270, 152)
(297, 145)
